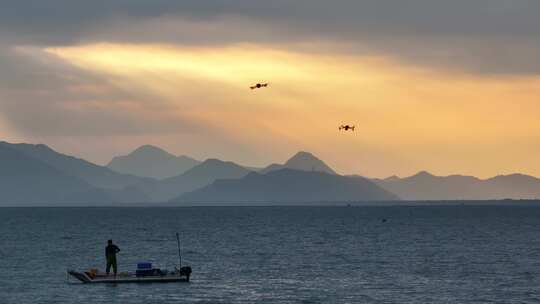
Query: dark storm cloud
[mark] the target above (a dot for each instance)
(490, 36)
(65, 19)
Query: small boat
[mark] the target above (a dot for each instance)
(158, 276)
(144, 274)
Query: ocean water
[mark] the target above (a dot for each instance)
(420, 254)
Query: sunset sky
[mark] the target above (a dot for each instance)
(443, 86)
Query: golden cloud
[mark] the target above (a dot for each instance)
(407, 118)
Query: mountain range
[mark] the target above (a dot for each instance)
(289, 186)
(49, 178)
(93, 174)
(426, 186)
(194, 178)
(38, 175)
(303, 161)
(151, 161)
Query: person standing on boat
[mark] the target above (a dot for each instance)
(110, 253)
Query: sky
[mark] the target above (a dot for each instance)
(451, 87)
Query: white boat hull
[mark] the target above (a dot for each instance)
(84, 277)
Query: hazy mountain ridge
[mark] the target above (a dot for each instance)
(289, 186)
(38, 174)
(425, 186)
(151, 161)
(93, 174)
(25, 180)
(101, 184)
(55, 178)
(196, 177)
(303, 161)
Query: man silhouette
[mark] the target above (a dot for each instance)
(110, 253)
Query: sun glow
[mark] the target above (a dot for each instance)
(406, 118)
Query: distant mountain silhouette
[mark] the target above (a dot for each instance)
(196, 177)
(36, 174)
(391, 178)
(28, 181)
(303, 161)
(425, 186)
(518, 186)
(93, 174)
(151, 161)
(289, 186)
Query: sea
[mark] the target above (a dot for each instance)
(430, 253)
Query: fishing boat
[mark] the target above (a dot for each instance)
(144, 273)
(158, 276)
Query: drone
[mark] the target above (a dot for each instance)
(259, 85)
(346, 127)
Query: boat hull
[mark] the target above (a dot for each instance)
(87, 279)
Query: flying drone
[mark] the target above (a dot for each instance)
(258, 86)
(346, 127)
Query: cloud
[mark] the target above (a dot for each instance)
(175, 72)
(407, 118)
(96, 109)
(41, 95)
(482, 36)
